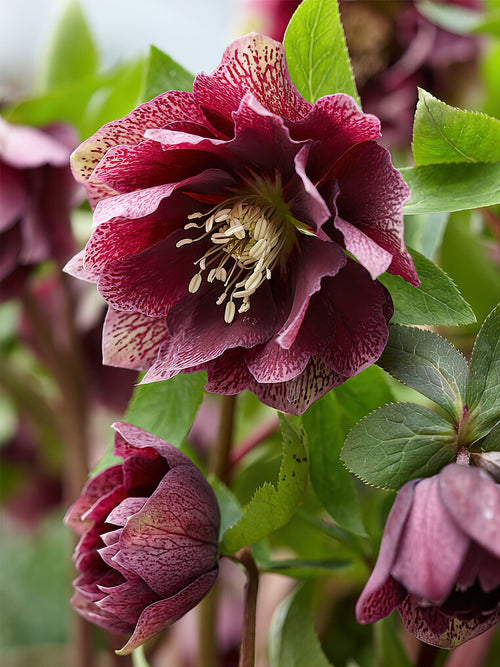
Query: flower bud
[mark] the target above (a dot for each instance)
(149, 529)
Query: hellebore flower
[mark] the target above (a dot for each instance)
(149, 530)
(222, 220)
(439, 560)
(38, 193)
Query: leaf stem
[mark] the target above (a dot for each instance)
(247, 649)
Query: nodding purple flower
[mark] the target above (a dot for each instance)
(149, 530)
(38, 194)
(226, 222)
(439, 560)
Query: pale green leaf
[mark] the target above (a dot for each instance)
(452, 187)
(425, 232)
(316, 51)
(272, 506)
(293, 640)
(230, 508)
(436, 301)
(399, 442)
(71, 55)
(428, 363)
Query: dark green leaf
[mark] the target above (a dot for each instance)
(425, 232)
(272, 507)
(331, 481)
(452, 187)
(316, 51)
(436, 301)
(72, 54)
(428, 363)
(492, 441)
(483, 390)
(167, 409)
(442, 133)
(293, 640)
(399, 442)
(163, 73)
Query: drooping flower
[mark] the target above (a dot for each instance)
(439, 560)
(38, 193)
(222, 220)
(149, 530)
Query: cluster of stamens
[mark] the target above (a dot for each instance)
(247, 238)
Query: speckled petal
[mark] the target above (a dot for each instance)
(93, 490)
(160, 614)
(132, 340)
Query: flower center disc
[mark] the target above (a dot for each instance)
(248, 237)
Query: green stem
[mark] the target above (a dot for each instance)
(247, 649)
(218, 464)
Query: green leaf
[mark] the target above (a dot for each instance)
(230, 508)
(139, 657)
(388, 647)
(483, 390)
(302, 568)
(492, 441)
(316, 51)
(452, 187)
(436, 301)
(399, 442)
(163, 73)
(442, 133)
(272, 507)
(293, 640)
(72, 54)
(428, 363)
(425, 232)
(460, 20)
(330, 480)
(167, 409)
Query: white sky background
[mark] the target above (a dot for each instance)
(193, 32)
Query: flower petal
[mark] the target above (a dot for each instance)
(472, 497)
(256, 64)
(381, 594)
(160, 614)
(432, 547)
(132, 340)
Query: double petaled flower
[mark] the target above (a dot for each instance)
(222, 221)
(439, 561)
(149, 530)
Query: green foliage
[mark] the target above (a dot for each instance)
(428, 363)
(452, 187)
(388, 647)
(442, 133)
(167, 409)
(425, 232)
(230, 508)
(72, 55)
(301, 568)
(399, 442)
(483, 390)
(435, 301)
(316, 51)
(163, 73)
(461, 20)
(271, 507)
(293, 640)
(492, 441)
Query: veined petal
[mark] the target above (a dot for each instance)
(255, 64)
(132, 340)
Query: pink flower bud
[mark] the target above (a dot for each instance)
(149, 530)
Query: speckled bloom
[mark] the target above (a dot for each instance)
(222, 221)
(149, 530)
(439, 561)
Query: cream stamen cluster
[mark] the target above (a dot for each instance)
(247, 237)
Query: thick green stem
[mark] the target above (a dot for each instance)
(247, 649)
(218, 464)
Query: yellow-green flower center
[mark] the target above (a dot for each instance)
(249, 237)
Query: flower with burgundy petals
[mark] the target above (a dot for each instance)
(149, 530)
(222, 220)
(38, 194)
(439, 560)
